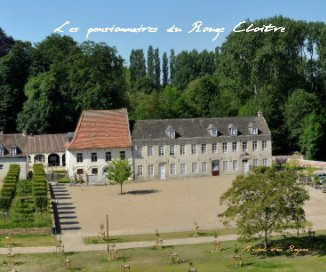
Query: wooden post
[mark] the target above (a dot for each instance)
(107, 234)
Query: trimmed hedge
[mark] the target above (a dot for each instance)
(39, 187)
(8, 189)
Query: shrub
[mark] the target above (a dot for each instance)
(5, 202)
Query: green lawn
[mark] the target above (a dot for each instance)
(164, 236)
(201, 256)
(29, 240)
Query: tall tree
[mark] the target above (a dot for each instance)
(157, 69)
(165, 70)
(14, 69)
(137, 65)
(150, 63)
(98, 78)
(172, 64)
(264, 201)
(6, 42)
(312, 136)
(300, 103)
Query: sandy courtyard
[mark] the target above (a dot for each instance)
(170, 205)
(164, 205)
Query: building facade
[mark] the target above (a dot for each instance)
(100, 136)
(156, 149)
(13, 150)
(175, 148)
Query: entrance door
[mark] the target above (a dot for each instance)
(245, 166)
(215, 168)
(162, 170)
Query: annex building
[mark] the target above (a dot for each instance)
(156, 149)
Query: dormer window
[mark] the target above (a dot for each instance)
(212, 130)
(2, 150)
(13, 150)
(170, 132)
(253, 129)
(233, 130)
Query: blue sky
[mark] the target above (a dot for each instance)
(33, 20)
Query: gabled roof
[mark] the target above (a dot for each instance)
(47, 143)
(196, 127)
(14, 140)
(98, 129)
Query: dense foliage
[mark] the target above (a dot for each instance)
(281, 74)
(265, 201)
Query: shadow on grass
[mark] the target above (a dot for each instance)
(296, 246)
(142, 192)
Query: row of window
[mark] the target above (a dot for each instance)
(108, 156)
(13, 151)
(203, 148)
(227, 166)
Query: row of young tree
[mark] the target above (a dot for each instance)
(282, 74)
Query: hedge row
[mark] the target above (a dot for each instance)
(8, 189)
(39, 187)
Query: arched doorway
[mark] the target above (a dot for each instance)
(53, 160)
(39, 158)
(64, 160)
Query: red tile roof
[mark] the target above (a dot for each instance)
(102, 129)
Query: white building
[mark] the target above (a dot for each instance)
(100, 136)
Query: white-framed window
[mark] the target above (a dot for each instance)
(140, 150)
(254, 146)
(233, 131)
(194, 167)
(203, 148)
(244, 147)
(1, 166)
(150, 151)
(234, 146)
(204, 167)
(193, 149)
(122, 155)
(172, 150)
(161, 150)
(94, 157)
(265, 163)
(225, 166)
(140, 170)
(173, 170)
(182, 149)
(172, 134)
(151, 170)
(235, 165)
(255, 162)
(13, 151)
(79, 157)
(254, 130)
(264, 145)
(225, 147)
(108, 156)
(183, 168)
(214, 148)
(213, 132)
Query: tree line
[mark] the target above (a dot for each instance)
(45, 87)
